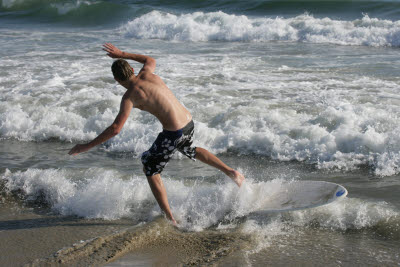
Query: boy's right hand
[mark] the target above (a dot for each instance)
(112, 51)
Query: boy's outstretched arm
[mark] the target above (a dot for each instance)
(111, 131)
(149, 63)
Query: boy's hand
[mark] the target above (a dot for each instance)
(78, 149)
(112, 51)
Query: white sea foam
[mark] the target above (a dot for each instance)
(100, 193)
(94, 193)
(239, 102)
(219, 26)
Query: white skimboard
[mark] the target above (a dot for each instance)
(298, 195)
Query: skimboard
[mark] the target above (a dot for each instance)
(298, 195)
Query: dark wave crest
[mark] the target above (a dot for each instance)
(91, 12)
(78, 13)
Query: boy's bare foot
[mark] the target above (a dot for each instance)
(236, 176)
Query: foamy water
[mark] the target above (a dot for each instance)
(110, 195)
(323, 114)
(219, 26)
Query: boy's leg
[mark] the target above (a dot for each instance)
(159, 192)
(210, 159)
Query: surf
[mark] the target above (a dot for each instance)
(110, 195)
(222, 27)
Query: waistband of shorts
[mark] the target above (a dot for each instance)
(180, 131)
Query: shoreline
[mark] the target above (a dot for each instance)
(173, 246)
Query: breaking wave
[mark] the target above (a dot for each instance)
(219, 26)
(106, 194)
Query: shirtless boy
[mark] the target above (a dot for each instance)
(146, 91)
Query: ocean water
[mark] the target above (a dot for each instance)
(281, 90)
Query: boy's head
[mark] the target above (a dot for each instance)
(121, 70)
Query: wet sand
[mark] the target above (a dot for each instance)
(156, 243)
(27, 235)
(35, 237)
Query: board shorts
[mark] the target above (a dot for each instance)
(156, 158)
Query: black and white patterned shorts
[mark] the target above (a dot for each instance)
(156, 158)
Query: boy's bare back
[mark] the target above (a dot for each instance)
(148, 92)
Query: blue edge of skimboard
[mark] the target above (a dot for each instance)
(340, 193)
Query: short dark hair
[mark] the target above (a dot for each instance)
(121, 70)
